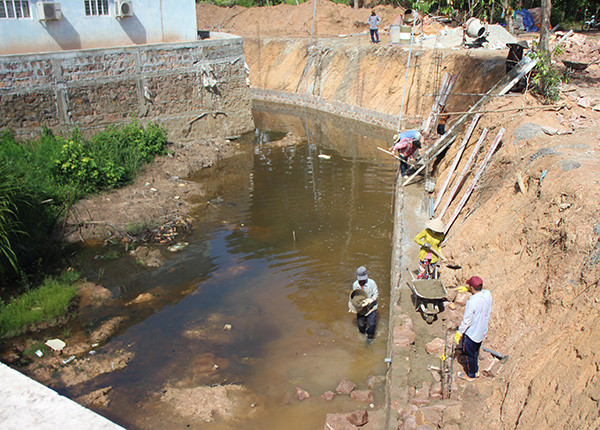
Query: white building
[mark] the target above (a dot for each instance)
(32, 26)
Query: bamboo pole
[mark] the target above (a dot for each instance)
(464, 171)
(480, 171)
(436, 103)
(395, 156)
(461, 149)
(557, 106)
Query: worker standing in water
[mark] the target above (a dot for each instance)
(365, 306)
(430, 239)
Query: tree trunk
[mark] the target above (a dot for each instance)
(544, 44)
(508, 16)
(355, 4)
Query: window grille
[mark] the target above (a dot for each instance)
(14, 9)
(96, 7)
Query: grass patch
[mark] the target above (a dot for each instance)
(51, 300)
(140, 228)
(111, 254)
(31, 349)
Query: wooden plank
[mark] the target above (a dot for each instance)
(390, 153)
(461, 149)
(464, 172)
(480, 171)
(502, 86)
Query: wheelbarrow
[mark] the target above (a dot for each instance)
(429, 296)
(574, 65)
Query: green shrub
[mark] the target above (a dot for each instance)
(53, 172)
(74, 165)
(546, 77)
(9, 225)
(52, 299)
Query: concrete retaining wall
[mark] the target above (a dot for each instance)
(27, 404)
(194, 89)
(334, 107)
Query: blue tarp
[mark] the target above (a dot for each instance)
(527, 20)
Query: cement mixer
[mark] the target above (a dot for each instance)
(475, 29)
(401, 28)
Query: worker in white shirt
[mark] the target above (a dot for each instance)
(366, 312)
(474, 326)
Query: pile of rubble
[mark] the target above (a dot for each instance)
(578, 48)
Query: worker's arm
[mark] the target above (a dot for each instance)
(374, 293)
(351, 307)
(467, 318)
(420, 236)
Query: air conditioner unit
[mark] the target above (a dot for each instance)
(123, 8)
(48, 11)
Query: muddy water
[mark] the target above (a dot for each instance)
(273, 254)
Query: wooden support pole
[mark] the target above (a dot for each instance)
(480, 171)
(452, 138)
(461, 149)
(464, 172)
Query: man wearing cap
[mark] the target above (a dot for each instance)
(430, 239)
(406, 143)
(474, 326)
(366, 317)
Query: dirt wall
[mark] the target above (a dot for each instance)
(372, 77)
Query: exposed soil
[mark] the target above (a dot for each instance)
(158, 197)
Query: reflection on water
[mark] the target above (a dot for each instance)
(278, 238)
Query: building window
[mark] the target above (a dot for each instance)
(96, 7)
(14, 9)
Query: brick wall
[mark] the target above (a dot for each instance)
(195, 89)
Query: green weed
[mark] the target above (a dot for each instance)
(111, 254)
(52, 299)
(546, 77)
(41, 178)
(139, 228)
(31, 349)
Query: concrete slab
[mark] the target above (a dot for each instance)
(27, 404)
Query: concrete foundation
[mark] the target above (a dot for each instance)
(27, 404)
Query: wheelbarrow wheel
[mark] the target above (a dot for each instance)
(430, 313)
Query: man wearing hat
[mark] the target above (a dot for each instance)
(366, 311)
(430, 239)
(515, 54)
(474, 326)
(406, 143)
